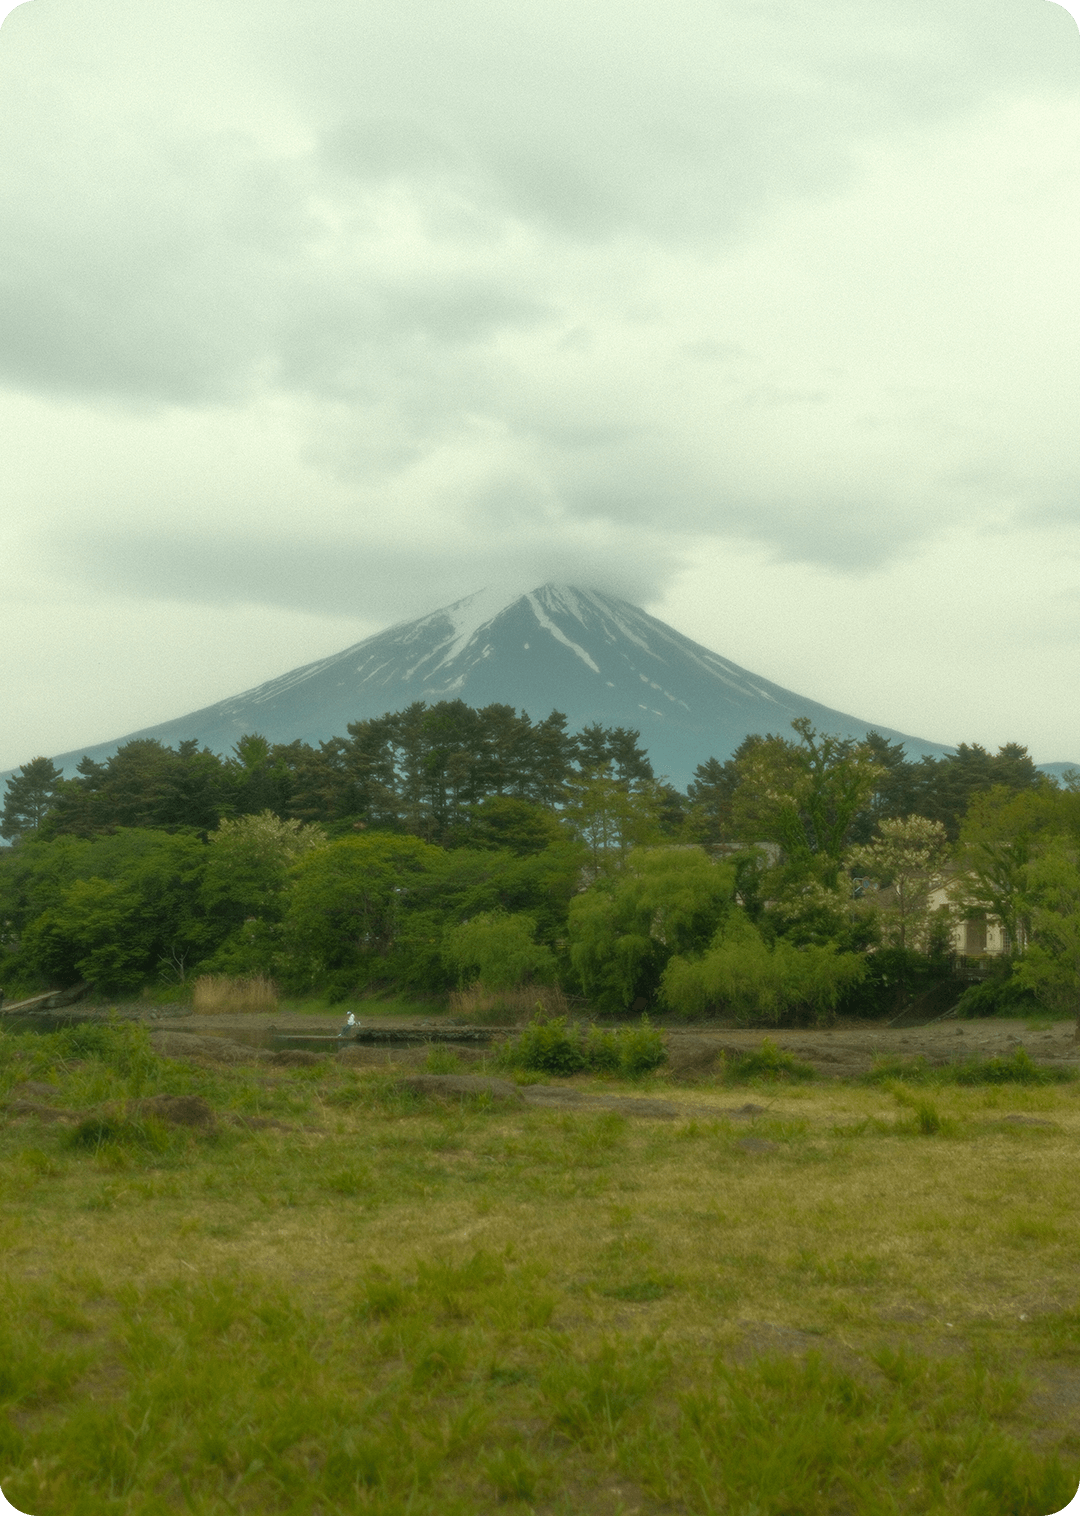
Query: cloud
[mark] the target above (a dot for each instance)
(299, 304)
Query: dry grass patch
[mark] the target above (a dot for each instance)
(218, 995)
(507, 1007)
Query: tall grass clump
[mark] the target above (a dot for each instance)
(121, 1047)
(218, 995)
(556, 1046)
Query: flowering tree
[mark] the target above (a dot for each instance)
(908, 857)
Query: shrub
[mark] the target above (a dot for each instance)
(998, 996)
(549, 1047)
(641, 1049)
(766, 1062)
(556, 1047)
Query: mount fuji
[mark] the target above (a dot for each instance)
(590, 655)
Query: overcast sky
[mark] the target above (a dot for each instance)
(314, 317)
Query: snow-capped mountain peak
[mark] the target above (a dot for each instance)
(564, 647)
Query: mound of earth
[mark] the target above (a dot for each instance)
(177, 1110)
(446, 1086)
(203, 1049)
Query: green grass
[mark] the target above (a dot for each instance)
(1017, 1068)
(396, 1306)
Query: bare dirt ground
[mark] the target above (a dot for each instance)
(843, 1051)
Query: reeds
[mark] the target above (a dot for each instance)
(507, 1007)
(218, 995)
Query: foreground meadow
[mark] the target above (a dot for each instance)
(326, 1294)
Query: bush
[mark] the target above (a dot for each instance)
(998, 996)
(767, 1062)
(641, 1049)
(549, 1047)
(556, 1047)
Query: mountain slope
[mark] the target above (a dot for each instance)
(590, 655)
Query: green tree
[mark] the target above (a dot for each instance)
(246, 883)
(30, 796)
(804, 796)
(1002, 832)
(625, 928)
(121, 910)
(347, 906)
(1051, 964)
(609, 818)
(742, 975)
(143, 785)
(946, 786)
(499, 951)
(506, 822)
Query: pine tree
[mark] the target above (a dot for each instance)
(30, 794)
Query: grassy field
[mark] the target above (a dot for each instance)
(339, 1298)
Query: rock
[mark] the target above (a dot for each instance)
(179, 1110)
(449, 1085)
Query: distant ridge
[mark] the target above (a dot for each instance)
(558, 647)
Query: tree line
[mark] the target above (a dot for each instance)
(443, 845)
(423, 770)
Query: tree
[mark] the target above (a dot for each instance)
(245, 885)
(499, 951)
(946, 786)
(143, 784)
(346, 907)
(503, 821)
(129, 911)
(907, 857)
(740, 974)
(1003, 831)
(30, 795)
(804, 796)
(624, 929)
(1051, 965)
(610, 818)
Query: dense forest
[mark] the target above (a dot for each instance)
(443, 845)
